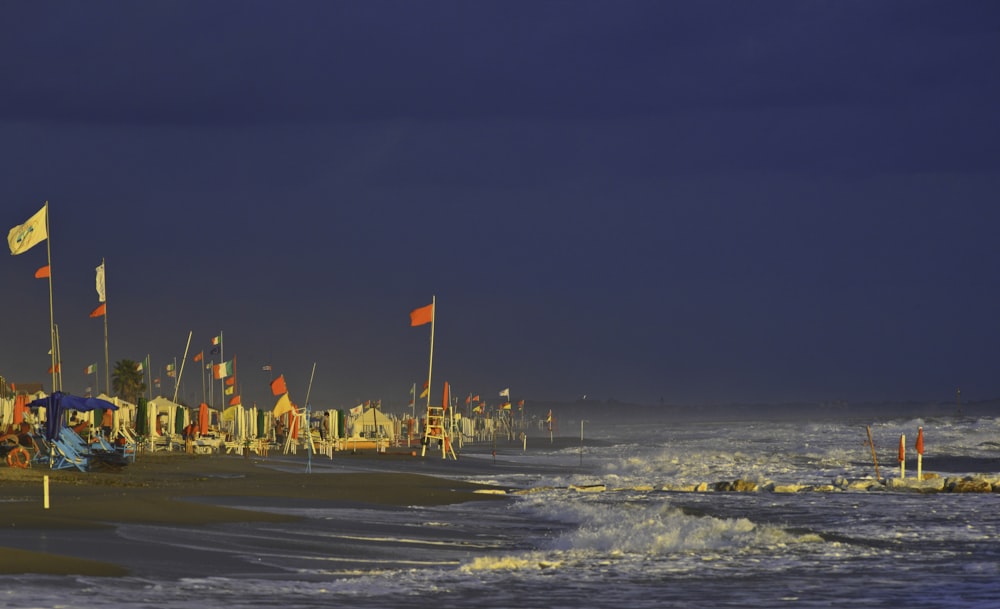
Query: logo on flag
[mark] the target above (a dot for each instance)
(25, 236)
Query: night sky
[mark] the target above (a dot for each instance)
(687, 202)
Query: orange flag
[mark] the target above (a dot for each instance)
(423, 315)
(230, 381)
(99, 311)
(278, 385)
(199, 356)
(58, 367)
(43, 272)
(234, 401)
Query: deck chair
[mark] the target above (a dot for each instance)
(44, 450)
(70, 435)
(130, 447)
(98, 452)
(66, 455)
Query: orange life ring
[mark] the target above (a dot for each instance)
(18, 457)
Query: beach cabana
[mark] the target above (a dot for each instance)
(166, 419)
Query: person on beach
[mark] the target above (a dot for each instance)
(107, 421)
(190, 433)
(79, 426)
(279, 431)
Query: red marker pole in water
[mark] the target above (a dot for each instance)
(902, 456)
(920, 453)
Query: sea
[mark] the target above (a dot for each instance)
(604, 519)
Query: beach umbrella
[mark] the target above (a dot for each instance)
(20, 405)
(179, 421)
(58, 403)
(141, 422)
(260, 423)
(203, 419)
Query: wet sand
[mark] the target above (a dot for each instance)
(177, 489)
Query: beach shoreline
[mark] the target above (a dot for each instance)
(177, 489)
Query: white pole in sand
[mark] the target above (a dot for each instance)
(920, 453)
(902, 456)
(45, 491)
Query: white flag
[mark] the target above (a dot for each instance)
(25, 236)
(100, 283)
(505, 393)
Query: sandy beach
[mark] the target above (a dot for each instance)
(178, 489)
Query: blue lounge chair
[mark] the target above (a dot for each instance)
(65, 455)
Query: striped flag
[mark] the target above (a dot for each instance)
(222, 370)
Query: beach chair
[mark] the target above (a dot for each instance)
(100, 451)
(65, 456)
(131, 446)
(69, 435)
(44, 450)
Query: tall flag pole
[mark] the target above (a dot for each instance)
(197, 358)
(419, 317)
(58, 358)
(52, 315)
(22, 238)
(217, 342)
(102, 298)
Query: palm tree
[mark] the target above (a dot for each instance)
(127, 380)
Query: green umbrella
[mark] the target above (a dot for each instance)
(141, 420)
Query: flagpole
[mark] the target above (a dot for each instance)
(222, 381)
(107, 369)
(58, 358)
(201, 364)
(430, 366)
(149, 377)
(181, 371)
(52, 315)
(309, 443)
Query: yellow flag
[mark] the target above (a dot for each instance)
(26, 236)
(284, 405)
(229, 414)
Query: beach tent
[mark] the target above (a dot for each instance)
(124, 417)
(372, 422)
(58, 403)
(161, 407)
(203, 418)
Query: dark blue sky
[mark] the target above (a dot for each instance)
(696, 201)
